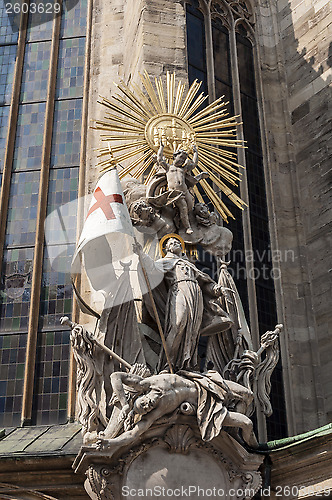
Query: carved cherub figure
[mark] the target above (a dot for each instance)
(148, 220)
(203, 215)
(180, 180)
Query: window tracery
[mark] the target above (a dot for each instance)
(230, 69)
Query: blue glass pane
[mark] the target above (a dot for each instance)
(22, 209)
(9, 24)
(51, 383)
(56, 295)
(257, 195)
(35, 71)
(66, 139)
(4, 112)
(12, 358)
(7, 66)
(70, 68)
(225, 90)
(61, 220)
(29, 136)
(15, 289)
(74, 18)
(40, 24)
(246, 66)
(193, 74)
(251, 126)
(221, 53)
(196, 41)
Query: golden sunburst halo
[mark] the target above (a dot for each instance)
(136, 120)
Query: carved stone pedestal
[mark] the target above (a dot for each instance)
(172, 462)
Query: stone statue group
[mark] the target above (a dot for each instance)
(142, 364)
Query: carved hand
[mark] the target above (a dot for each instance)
(129, 422)
(202, 175)
(123, 413)
(137, 248)
(219, 290)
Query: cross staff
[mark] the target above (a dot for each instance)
(66, 321)
(138, 249)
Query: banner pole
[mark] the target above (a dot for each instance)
(155, 312)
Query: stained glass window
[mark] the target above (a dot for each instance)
(74, 19)
(51, 382)
(222, 65)
(66, 133)
(15, 290)
(56, 286)
(4, 112)
(35, 72)
(29, 136)
(9, 24)
(22, 209)
(40, 26)
(12, 362)
(70, 68)
(196, 46)
(7, 66)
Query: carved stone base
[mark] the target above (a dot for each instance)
(172, 462)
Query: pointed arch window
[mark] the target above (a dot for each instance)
(224, 30)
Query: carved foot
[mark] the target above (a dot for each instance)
(250, 439)
(90, 437)
(105, 444)
(102, 444)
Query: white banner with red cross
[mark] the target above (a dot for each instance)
(107, 234)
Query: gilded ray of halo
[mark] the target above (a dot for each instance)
(135, 120)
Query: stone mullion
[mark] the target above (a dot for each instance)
(247, 237)
(29, 373)
(81, 193)
(209, 57)
(283, 339)
(12, 123)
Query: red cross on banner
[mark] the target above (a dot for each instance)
(107, 234)
(104, 202)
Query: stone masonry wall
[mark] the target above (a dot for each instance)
(306, 41)
(306, 38)
(293, 44)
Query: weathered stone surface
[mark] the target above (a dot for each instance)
(295, 77)
(171, 457)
